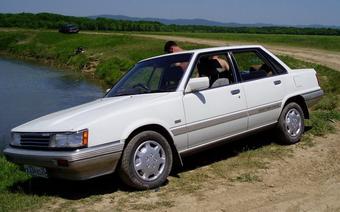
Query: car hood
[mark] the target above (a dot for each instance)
(76, 118)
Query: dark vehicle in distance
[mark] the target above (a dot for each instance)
(69, 28)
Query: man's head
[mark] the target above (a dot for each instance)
(171, 47)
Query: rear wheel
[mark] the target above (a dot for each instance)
(291, 124)
(146, 161)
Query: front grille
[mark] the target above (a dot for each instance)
(35, 140)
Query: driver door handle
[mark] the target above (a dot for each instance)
(277, 82)
(234, 92)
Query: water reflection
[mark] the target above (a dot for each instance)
(30, 91)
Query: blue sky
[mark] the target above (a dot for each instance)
(283, 12)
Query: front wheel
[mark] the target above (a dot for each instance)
(146, 161)
(291, 124)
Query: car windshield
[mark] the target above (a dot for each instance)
(152, 76)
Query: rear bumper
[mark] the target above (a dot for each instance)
(313, 97)
(82, 164)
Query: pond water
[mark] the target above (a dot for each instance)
(29, 91)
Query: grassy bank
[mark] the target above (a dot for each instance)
(238, 162)
(331, 43)
(106, 57)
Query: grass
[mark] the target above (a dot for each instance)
(12, 195)
(331, 43)
(114, 54)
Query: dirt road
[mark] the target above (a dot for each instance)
(308, 180)
(327, 58)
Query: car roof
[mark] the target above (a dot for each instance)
(206, 50)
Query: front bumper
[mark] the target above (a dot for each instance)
(82, 164)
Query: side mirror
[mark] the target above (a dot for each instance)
(197, 84)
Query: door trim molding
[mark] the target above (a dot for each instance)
(223, 119)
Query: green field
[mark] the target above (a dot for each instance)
(331, 43)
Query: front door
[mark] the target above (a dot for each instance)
(219, 111)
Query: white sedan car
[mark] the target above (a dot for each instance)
(164, 107)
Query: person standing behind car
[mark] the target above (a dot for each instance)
(172, 47)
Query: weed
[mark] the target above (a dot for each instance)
(247, 177)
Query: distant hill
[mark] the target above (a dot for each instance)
(125, 23)
(181, 22)
(204, 22)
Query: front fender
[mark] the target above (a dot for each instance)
(141, 123)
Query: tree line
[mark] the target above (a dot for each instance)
(54, 21)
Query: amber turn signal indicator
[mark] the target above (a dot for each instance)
(85, 137)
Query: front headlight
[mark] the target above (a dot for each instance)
(70, 140)
(15, 139)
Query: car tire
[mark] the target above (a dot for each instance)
(146, 161)
(291, 124)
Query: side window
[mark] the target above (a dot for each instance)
(251, 66)
(216, 67)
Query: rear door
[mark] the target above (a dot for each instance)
(263, 83)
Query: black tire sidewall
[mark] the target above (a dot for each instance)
(285, 137)
(127, 170)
